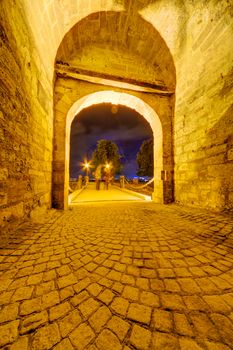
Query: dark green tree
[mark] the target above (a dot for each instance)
(145, 159)
(107, 152)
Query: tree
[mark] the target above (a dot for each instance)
(107, 152)
(145, 159)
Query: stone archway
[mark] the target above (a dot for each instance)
(110, 53)
(62, 141)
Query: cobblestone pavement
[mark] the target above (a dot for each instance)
(119, 276)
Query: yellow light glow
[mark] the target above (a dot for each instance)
(114, 109)
(86, 166)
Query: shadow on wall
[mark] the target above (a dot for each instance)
(222, 168)
(220, 136)
(215, 168)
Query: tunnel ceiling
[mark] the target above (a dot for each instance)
(118, 44)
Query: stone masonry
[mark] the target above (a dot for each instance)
(136, 276)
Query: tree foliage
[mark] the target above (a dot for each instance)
(107, 152)
(145, 159)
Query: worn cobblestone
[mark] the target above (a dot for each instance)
(82, 336)
(69, 323)
(32, 322)
(107, 340)
(119, 276)
(8, 332)
(119, 327)
(20, 344)
(9, 312)
(162, 321)
(46, 337)
(140, 338)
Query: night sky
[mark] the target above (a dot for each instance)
(122, 125)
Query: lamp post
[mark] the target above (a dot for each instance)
(87, 167)
(107, 175)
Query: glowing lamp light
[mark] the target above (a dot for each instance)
(86, 166)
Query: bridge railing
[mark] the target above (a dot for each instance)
(80, 183)
(146, 188)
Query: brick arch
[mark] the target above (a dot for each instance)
(62, 139)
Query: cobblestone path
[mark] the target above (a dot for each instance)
(119, 276)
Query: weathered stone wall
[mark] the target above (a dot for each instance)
(25, 121)
(204, 109)
(49, 21)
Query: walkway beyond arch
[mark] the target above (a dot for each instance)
(113, 194)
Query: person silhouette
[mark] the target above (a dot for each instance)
(98, 176)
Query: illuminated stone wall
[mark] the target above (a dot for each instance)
(25, 121)
(204, 109)
(199, 36)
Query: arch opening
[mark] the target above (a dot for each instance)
(61, 173)
(125, 127)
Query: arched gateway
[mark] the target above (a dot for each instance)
(99, 62)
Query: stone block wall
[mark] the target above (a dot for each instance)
(204, 109)
(25, 121)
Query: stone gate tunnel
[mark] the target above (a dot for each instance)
(100, 276)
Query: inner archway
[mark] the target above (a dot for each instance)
(62, 141)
